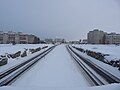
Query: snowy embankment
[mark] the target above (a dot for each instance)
(105, 66)
(105, 87)
(9, 48)
(106, 53)
(112, 50)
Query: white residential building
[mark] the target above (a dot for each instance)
(112, 38)
(19, 38)
(95, 37)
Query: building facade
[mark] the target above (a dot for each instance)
(84, 41)
(112, 38)
(95, 37)
(17, 38)
(49, 40)
(59, 40)
(100, 37)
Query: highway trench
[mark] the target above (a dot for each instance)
(56, 69)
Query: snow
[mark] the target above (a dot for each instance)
(57, 69)
(112, 50)
(8, 48)
(105, 87)
(105, 66)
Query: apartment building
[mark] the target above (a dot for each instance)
(17, 37)
(100, 37)
(49, 40)
(112, 38)
(95, 37)
(59, 40)
(1, 37)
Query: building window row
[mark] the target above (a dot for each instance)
(18, 38)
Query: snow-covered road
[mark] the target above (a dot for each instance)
(57, 69)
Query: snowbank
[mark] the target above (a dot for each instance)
(112, 50)
(8, 48)
(105, 87)
(105, 66)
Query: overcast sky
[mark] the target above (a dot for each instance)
(69, 19)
